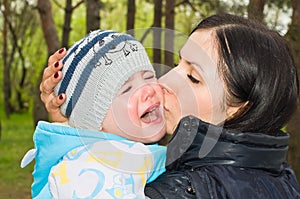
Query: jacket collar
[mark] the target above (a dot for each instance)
(196, 143)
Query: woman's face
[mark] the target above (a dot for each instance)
(194, 87)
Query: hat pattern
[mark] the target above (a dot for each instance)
(126, 47)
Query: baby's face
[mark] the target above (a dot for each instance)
(137, 111)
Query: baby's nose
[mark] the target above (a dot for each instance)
(147, 91)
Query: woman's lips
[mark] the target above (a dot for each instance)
(165, 108)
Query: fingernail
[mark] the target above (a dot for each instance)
(56, 64)
(61, 50)
(56, 75)
(60, 97)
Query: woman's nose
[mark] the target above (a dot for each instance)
(169, 81)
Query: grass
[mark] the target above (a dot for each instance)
(16, 140)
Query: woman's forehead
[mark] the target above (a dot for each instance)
(199, 50)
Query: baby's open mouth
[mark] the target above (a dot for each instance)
(151, 115)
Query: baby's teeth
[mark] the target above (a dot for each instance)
(153, 116)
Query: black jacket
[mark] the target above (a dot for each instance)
(206, 161)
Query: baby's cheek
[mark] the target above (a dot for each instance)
(132, 109)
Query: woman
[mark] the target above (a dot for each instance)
(234, 88)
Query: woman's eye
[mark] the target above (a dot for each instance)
(193, 79)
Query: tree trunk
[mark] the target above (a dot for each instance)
(293, 127)
(92, 15)
(51, 38)
(169, 33)
(130, 17)
(6, 72)
(67, 24)
(157, 31)
(15, 47)
(69, 9)
(21, 84)
(256, 10)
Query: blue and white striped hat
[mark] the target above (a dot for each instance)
(95, 68)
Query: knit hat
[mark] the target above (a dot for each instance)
(95, 68)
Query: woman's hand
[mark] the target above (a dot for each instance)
(51, 76)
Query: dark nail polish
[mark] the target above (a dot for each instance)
(56, 75)
(60, 97)
(56, 64)
(61, 50)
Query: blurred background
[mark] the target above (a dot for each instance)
(31, 30)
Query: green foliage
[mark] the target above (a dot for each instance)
(279, 3)
(144, 14)
(17, 131)
(278, 15)
(16, 139)
(25, 47)
(113, 15)
(77, 24)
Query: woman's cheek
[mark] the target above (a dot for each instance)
(159, 93)
(172, 112)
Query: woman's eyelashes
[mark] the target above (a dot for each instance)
(193, 79)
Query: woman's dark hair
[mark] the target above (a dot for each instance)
(257, 67)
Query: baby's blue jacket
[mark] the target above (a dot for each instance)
(52, 142)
